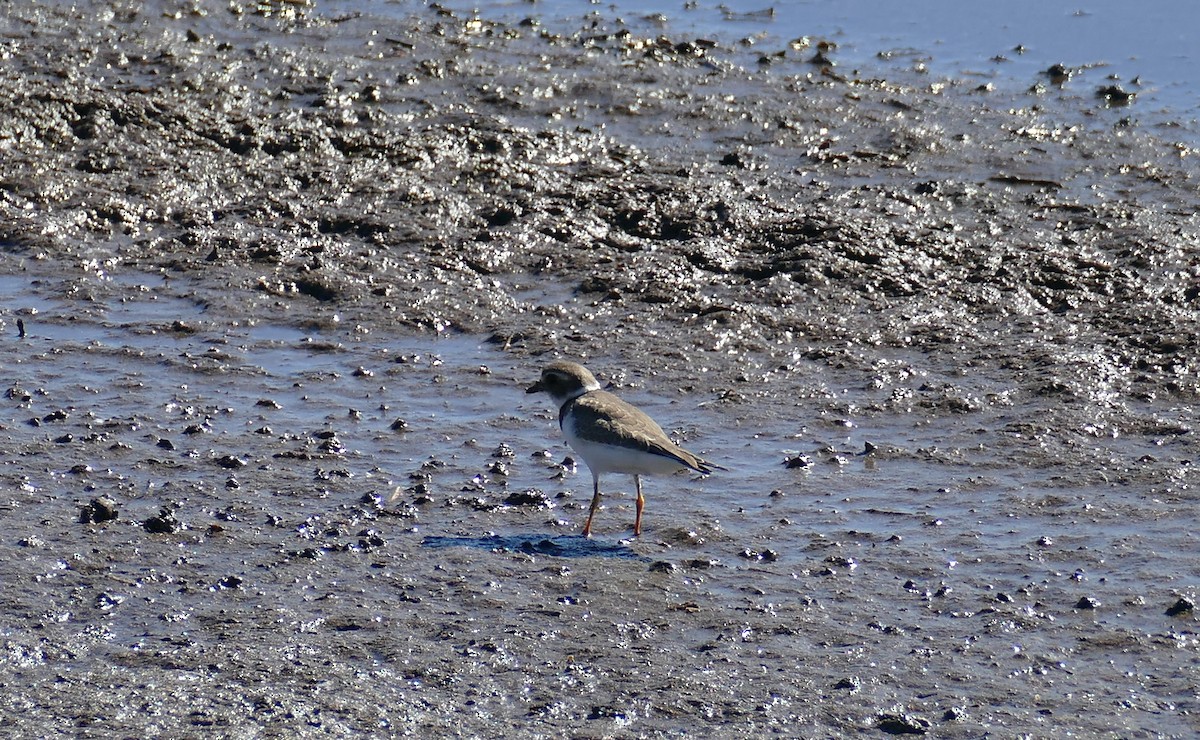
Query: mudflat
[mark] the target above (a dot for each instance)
(273, 282)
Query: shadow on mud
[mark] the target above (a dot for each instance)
(571, 546)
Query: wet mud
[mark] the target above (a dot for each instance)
(274, 279)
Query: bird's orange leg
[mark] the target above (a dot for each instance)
(587, 528)
(641, 503)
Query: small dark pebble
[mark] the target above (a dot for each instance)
(1114, 95)
(369, 538)
(869, 449)
(1059, 73)
(31, 542)
(766, 556)
(193, 429)
(503, 451)
(80, 469)
(164, 523)
(663, 566)
(107, 601)
(267, 403)
(531, 497)
(1183, 606)
(65, 439)
(399, 425)
(332, 445)
(797, 461)
(230, 462)
(59, 415)
(165, 444)
(497, 467)
(101, 509)
(232, 484)
(325, 434)
(777, 493)
(902, 724)
(1044, 541)
(850, 683)
(954, 714)
(1087, 602)
(228, 582)
(702, 564)
(1004, 598)
(841, 561)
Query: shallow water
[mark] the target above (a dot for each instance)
(1146, 49)
(941, 572)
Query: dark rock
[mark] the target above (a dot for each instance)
(369, 539)
(1183, 606)
(663, 566)
(1087, 602)
(229, 462)
(797, 461)
(530, 497)
(164, 523)
(1115, 95)
(497, 467)
(101, 509)
(228, 582)
(902, 724)
(766, 556)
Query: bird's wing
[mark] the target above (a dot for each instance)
(607, 412)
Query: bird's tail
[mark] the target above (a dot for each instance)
(706, 467)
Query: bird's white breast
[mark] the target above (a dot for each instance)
(613, 458)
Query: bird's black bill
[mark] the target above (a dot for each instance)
(536, 388)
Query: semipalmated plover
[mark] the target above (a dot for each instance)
(611, 435)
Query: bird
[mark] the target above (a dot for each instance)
(611, 436)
